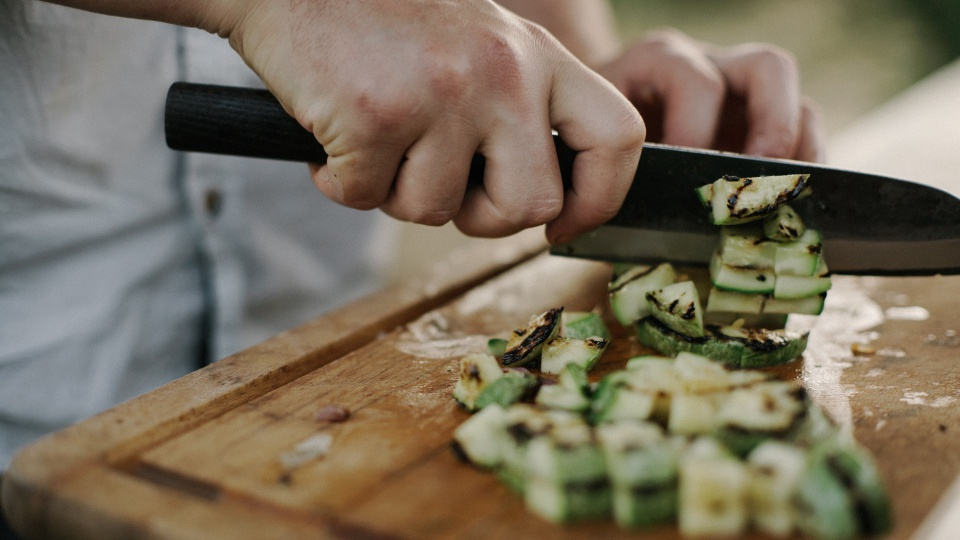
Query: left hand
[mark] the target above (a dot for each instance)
(745, 98)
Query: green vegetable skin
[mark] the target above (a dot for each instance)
(735, 348)
(680, 439)
(784, 470)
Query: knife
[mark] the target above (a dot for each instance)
(871, 225)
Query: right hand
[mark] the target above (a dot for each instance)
(402, 94)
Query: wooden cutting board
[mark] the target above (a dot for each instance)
(209, 455)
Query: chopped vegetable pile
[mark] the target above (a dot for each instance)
(686, 436)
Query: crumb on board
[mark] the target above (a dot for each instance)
(332, 413)
(309, 449)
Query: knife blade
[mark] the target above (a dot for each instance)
(872, 225)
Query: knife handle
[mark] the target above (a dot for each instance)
(233, 121)
(251, 122)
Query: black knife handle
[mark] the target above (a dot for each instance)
(235, 121)
(251, 122)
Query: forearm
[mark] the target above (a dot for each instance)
(585, 27)
(211, 15)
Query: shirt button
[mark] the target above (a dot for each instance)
(213, 202)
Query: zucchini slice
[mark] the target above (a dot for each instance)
(482, 437)
(477, 371)
(736, 347)
(567, 476)
(642, 467)
(740, 200)
(694, 414)
(583, 325)
(746, 245)
(801, 257)
(742, 279)
(713, 497)
(515, 385)
(853, 467)
(723, 301)
(775, 471)
(705, 195)
(560, 503)
(628, 290)
(810, 305)
(795, 287)
(525, 345)
(496, 346)
(571, 393)
(678, 307)
(560, 351)
(784, 225)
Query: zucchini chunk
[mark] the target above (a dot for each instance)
(560, 351)
(559, 503)
(525, 345)
(477, 371)
(742, 279)
(712, 496)
(801, 257)
(784, 225)
(628, 290)
(583, 325)
(796, 287)
(482, 437)
(705, 195)
(723, 301)
(851, 467)
(741, 200)
(746, 245)
(616, 400)
(694, 414)
(515, 385)
(810, 305)
(678, 307)
(775, 470)
(642, 468)
(825, 508)
(496, 346)
(567, 475)
(571, 393)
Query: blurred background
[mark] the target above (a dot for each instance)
(853, 56)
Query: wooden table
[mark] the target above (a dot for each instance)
(202, 457)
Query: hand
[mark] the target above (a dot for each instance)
(744, 98)
(403, 94)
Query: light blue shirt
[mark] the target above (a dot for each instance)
(123, 264)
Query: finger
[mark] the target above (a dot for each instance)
(812, 134)
(607, 132)
(521, 182)
(359, 179)
(768, 79)
(429, 189)
(675, 86)
(690, 87)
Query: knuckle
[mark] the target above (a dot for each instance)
(501, 62)
(773, 59)
(664, 38)
(381, 112)
(630, 131)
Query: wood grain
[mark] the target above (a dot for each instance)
(201, 456)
